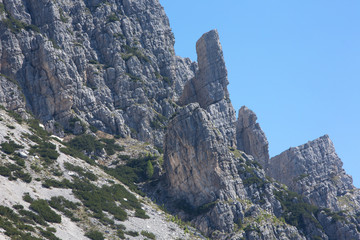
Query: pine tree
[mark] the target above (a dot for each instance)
(149, 170)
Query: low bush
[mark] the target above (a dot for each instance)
(79, 170)
(10, 147)
(148, 235)
(47, 152)
(132, 233)
(42, 208)
(95, 235)
(49, 235)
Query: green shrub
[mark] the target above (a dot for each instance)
(27, 198)
(149, 170)
(63, 205)
(37, 130)
(148, 234)
(77, 154)
(42, 208)
(4, 171)
(10, 147)
(87, 143)
(9, 213)
(19, 161)
(120, 234)
(26, 177)
(18, 206)
(134, 171)
(296, 211)
(95, 235)
(110, 146)
(80, 171)
(47, 152)
(32, 217)
(132, 233)
(113, 18)
(56, 184)
(140, 213)
(49, 235)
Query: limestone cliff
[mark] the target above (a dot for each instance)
(209, 86)
(88, 65)
(250, 137)
(110, 64)
(315, 171)
(220, 189)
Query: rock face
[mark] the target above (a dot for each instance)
(199, 166)
(209, 86)
(221, 189)
(110, 64)
(250, 137)
(211, 187)
(206, 178)
(315, 171)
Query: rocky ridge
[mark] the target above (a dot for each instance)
(315, 171)
(213, 184)
(109, 64)
(83, 66)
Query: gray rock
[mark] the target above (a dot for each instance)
(315, 171)
(93, 61)
(209, 87)
(250, 137)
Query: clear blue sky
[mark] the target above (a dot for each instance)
(296, 64)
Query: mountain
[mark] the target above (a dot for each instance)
(106, 133)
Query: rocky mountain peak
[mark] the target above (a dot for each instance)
(250, 137)
(210, 83)
(209, 86)
(315, 171)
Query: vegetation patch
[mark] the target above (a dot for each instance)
(134, 51)
(46, 151)
(63, 205)
(134, 171)
(43, 209)
(10, 147)
(111, 199)
(14, 225)
(80, 171)
(95, 235)
(296, 211)
(113, 18)
(148, 235)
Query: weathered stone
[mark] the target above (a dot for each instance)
(209, 87)
(315, 171)
(93, 61)
(250, 138)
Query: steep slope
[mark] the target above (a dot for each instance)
(110, 64)
(47, 194)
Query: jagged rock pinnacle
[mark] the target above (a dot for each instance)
(209, 84)
(250, 137)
